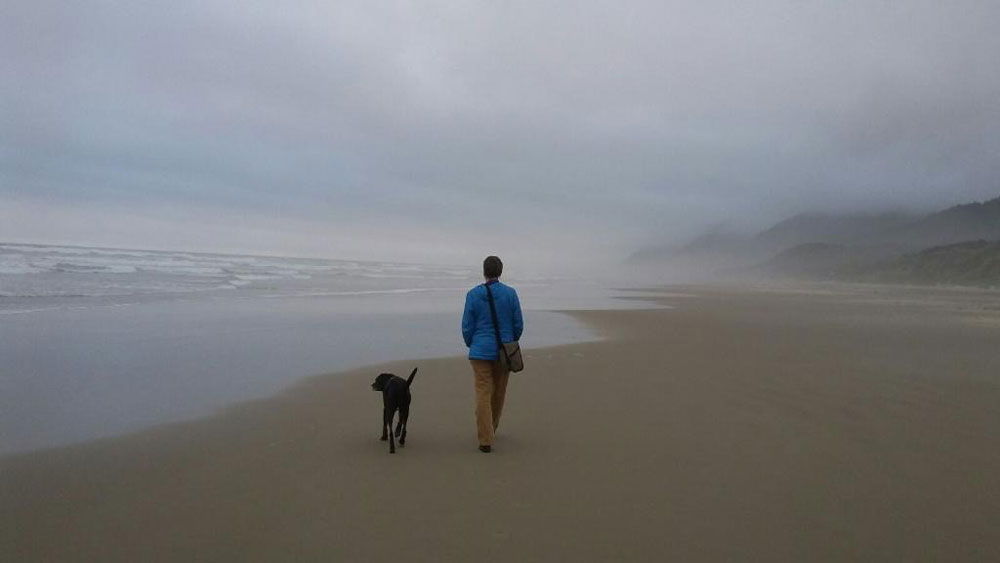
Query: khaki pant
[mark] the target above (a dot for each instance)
(491, 386)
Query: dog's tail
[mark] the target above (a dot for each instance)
(409, 380)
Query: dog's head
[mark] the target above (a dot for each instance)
(381, 381)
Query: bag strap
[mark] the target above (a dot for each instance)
(496, 324)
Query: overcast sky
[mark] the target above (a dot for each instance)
(551, 133)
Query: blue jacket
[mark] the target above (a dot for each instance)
(477, 323)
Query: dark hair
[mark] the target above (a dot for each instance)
(492, 267)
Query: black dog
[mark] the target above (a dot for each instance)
(395, 396)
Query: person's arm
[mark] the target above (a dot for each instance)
(468, 320)
(518, 319)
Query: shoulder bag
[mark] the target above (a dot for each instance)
(509, 353)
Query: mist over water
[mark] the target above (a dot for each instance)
(68, 271)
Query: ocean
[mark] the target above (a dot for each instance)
(98, 342)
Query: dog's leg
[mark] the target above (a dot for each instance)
(388, 426)
(385, 414)
(404, 414)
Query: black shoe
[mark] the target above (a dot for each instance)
(485, 449)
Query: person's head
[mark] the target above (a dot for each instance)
(492, 267)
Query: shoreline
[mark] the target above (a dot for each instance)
(292, 387)
(738, 425)
(117, 372)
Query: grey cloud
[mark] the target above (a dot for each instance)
(600, 123)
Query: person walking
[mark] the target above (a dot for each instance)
(477, 328)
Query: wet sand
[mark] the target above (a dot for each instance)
(789, 424)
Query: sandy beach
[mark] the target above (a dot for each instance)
(792, 424)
